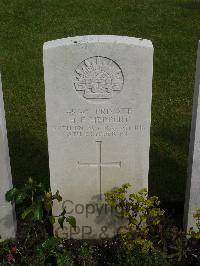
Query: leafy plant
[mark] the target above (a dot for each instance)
(136, 258)
(8, 252)
(195, 233)
(52, 250)
(85, 256)
(36, 203)
(148, 238)
(142, 213)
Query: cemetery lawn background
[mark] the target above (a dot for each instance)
(172, 26)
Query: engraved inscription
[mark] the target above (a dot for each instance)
(99, 166)
(98, 78)
(101, 122)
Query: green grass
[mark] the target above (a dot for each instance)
(174, 28)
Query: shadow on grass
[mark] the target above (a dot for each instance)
(167, 180)
(168, 173)
(29, 158)
(190, 4)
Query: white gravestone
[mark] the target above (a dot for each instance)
(192, 199)
(7, 215)
(98, 103)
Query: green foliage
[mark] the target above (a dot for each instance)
(147, 239)
(195, 233)
(141, 259)
(196, 215)
(175, 244)
(50, 250)
(85, 255)
(35, 241)
(142, 214)
(148, 230)
(36, 203)
(5, 250)
(64, 260)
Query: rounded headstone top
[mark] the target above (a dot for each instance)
(98, 39)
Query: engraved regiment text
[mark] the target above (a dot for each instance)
(99, 122)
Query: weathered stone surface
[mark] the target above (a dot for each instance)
(7, 215)
(192, 199)
(98, 108)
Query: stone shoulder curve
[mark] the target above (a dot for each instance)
(98, 39)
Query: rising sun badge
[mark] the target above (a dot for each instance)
(98, 78)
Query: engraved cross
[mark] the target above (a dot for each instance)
(99, 166)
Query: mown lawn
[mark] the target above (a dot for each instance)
(174, 28)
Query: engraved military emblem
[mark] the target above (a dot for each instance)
(98, 78)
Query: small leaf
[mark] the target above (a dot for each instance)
(63, 212)
(63, 260)
(48, 195)
(27, 212)
(57, 196)
(41, 188)
(38, 212)
(11, 194)
(61, 221)
(48, 204)
(30, 180)
(49, 244)
(52, 219)
(71, 220)
(20, 197)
